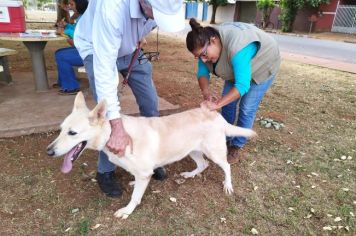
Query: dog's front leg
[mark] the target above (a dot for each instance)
(139, 189)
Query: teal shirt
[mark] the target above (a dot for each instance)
(70, 28)
(241, 66)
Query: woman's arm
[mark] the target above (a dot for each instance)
(203, 76)
(241, 65)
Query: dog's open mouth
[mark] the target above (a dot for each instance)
(71, 156)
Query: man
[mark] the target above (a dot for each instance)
(106, 37)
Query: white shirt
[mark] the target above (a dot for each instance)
(110, 29)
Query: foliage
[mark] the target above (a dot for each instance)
(40, 3)
(216, 4)
(290, 9)
(25, 3)
(266, 6)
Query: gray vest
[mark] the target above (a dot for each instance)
(234, 37)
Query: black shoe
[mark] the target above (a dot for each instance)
(159, 174)
(107, 183)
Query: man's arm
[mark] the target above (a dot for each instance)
(107, 37)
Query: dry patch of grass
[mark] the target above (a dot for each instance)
(294, 181)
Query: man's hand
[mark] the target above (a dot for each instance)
(119, 139)
(142, 43)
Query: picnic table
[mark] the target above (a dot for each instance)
(35, 41)
(4, 66)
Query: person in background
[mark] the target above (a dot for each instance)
(107, 36)
(247, 59)
(68, 57)
(62, 11)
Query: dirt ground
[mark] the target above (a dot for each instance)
(299, 180)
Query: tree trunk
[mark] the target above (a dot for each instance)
(237, 13)
(212, 21)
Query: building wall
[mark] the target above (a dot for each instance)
(326, 18)
(248, 12)
(223, 14)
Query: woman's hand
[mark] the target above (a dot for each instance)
(210, 105)
(208, 96)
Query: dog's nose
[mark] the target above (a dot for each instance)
(50, 152)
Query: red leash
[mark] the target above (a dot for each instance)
(133, 59)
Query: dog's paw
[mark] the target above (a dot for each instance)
(187, 175)
(228, 188)
(122, 213)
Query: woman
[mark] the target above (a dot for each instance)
(66, 58)
(246, 58)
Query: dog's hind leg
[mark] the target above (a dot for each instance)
(219, 157)
(141, 183)
(202, 164)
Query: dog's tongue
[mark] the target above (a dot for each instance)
(67, 163)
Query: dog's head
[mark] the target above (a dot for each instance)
(81, 129)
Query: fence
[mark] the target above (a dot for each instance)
(345, 19)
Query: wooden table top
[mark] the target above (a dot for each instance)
(32, 36)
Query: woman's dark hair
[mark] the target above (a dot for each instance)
(199, 35)
(81, 6)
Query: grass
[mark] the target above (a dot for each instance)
(292, 183)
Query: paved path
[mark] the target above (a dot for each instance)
(24, 111)
(326, 49)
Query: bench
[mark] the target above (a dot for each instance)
(81, 69)
(4, 65)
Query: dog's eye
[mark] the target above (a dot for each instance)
(70, 132)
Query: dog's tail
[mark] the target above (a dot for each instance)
(232, 130)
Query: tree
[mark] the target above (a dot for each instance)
(216, 4)
(266, 7)
(289, 10)
(40, 3)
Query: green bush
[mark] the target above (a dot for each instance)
(266, 7)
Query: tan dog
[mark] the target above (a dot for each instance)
(157, 141)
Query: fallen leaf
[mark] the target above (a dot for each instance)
(173, 199)
(223, 220)
(291, 209)
(345, 189)
(75, 210)
(329, 215)
(349, 158)
(352, 214)
(254, 231)
(343, 157)
(67, 229)
(313, 186)
(308, 216)
(156, 191)
(95, 227)
(312, 210)
(315, 174)
(255, 188)
(327, 228)
(337, 219)
(347, 228)
(179, 181)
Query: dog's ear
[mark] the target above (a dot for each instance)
(98, 114)
(79, 102)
